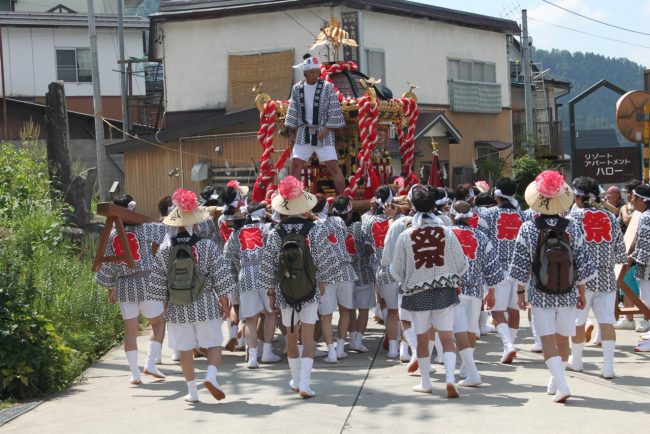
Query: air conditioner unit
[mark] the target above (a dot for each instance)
(200, 171)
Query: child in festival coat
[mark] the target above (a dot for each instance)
(641, 253)
(198, 323)
(244, 250)
(292, 202)
(484, 270)
(604, 241)
(554, 314)
(132, 290)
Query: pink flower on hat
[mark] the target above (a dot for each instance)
(185, 200)
(290, 188)
(234, 184)
(550, 183)
(482, 185)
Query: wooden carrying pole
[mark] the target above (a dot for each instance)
(117, 216)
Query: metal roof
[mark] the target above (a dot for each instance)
(189, 9)
(54, 19)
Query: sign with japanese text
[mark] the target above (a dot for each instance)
(350, 23)
(610, 165)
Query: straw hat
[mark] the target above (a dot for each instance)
(549, 194)
(291, 199)
(242, 189)
(187, 212)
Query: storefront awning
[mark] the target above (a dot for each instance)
(494, 144)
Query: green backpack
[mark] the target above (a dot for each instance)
(296, 270)
(185, 283)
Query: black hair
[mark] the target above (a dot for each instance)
(507, 186)
(438, 194)
(321, 201)
(484, 200)
(123, 200)
(207, 192)
(643, 190)
(306, 56)
(383, 193)
(340, 205)
(476, 190)
(462, 191)
(163, 205)
(632, 184)
(586, 185)
(423, 199)
(227, 197)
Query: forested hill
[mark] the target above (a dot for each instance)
(583, 70)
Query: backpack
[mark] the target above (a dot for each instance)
(296, 269)
(185, 283)
(553, 262)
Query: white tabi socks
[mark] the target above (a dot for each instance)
(473, 378)
(305, 377)
(211, 383)
(608, 359)
(509, 351)
(556, 367)
(438, 345)
(155, 349)
(425, 382)
(294, 367)
(449, 359)
(575, 360)
(132, 357)
(192, 394)
(268, 356)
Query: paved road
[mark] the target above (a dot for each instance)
(362, 394)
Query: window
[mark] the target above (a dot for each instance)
(376, 65)
(7, 5)
(473, 86)
(73, 65)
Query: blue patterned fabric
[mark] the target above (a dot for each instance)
(362, 260)
(605, 244)
(132, 286)
(243, 252)
(501, 225)
(330, 114)
(484, 267)
(522, 264)
(337, 233)
(641, 254)
(375, 227)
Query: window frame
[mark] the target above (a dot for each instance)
(77, 68)
(473, 66)
(368, 53)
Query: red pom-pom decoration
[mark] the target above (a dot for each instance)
(185, 200)
(290, 188)
(234, 184)
(550, 183)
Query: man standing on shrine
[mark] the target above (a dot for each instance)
(314, 111)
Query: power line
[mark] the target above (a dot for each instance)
(590, 34)
(297, 22)
(595, 20)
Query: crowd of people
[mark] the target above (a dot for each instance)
(437, 267)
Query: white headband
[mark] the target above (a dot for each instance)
(170, 209)
(459, 215)
(645, 198)
(512, 199)
(337, 212)
(258, 214)
(419, 217)
(381, 203)
(444, 200)
(131, 205)
(308, 64)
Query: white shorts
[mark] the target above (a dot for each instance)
(389, 294)
(602, 303)
(554, 320)
(148, 308)
(308, 315)
(363, 297)
(252, 302)
(505, 296)
(404, 315)
(324, 153)
(466, 315)
(644, 291)
(440, 319)
(339, 294)
(205, 334)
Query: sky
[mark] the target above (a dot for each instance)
(544, 19)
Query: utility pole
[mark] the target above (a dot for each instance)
(120, 39)
(97, 103)
(528, 90)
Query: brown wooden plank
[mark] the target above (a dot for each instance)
(127, 216)
(103, 242)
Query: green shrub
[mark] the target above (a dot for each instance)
(525, 169)
(55, 320)
(33, 360)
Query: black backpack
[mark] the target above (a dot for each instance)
(296, 269)
(185, 283)
(553, 262)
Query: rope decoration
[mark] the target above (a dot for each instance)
(367, 120)
(265, 137)
(410, 115)
(335, 68)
